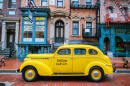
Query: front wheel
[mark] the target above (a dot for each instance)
(29, 74)
(96, 74)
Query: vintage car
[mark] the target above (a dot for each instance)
(68, 60)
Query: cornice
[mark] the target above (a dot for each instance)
(59, 12)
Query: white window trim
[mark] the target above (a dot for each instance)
(92, 27)
(41, 3)
(2, 5)
(72, 28)
(60, 6)
(27, 2)
(79, 2)
(85, 2)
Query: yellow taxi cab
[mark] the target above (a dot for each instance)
(68, 60)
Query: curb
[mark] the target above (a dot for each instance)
(9, 70)
(17, 71)
(123, 71)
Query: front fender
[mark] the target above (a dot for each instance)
(106, 69)
(42, 68)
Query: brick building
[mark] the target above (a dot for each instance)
(115, 28)
(60, 22)
(9, 23)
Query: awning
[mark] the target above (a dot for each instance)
(125, 37)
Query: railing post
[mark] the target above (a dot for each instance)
(42, 49)
(52, 44)
(18, 53)
(0, 45)
(48, 49)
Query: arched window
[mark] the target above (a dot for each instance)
(110, 10)
(59, 23)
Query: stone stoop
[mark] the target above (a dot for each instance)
(6, 52)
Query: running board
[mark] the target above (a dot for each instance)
(68, 74)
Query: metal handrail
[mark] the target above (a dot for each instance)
(64, 41)
(12, 48)
(1, 45)
(52, 45)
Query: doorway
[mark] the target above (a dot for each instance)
(59, 32)
(106, 45)
(10, 37)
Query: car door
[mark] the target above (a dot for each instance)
(79, 60)
(63, 61)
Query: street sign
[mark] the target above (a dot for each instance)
(31, 5)
(30, 16)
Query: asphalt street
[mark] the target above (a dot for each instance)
(15, 79)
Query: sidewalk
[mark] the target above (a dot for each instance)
(10, 66)
(14, 64)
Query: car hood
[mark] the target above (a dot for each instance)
(36, 56)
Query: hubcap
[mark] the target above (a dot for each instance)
(96, 74)
(30, 73)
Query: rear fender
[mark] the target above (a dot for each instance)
(106, 69)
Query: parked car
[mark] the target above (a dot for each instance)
(68, 60)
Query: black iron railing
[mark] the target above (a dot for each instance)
(90, 32)
(52, 45)
(1, 45)
(80, 5)
(12, 49)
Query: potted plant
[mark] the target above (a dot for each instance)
(87, 34)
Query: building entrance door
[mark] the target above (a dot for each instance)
(10, 37)
(59, 32)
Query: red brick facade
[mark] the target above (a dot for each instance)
(66, 8)
(5, 10)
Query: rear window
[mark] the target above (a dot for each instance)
(92, 52)
(79, 51)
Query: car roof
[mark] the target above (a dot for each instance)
(78, 46)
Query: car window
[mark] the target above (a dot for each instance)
(92, 52)
(64, 52)
(79, 51)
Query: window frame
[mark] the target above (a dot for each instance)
(110, 10)
(89, 2)
(76, 1)
(94, 50)
(60, 1)
(90, 28)
(64, 49)
(10, 4)
(41, 2)
(80, 49)
(2, 4)
(34, 31)
(126, 10)
(76, 28)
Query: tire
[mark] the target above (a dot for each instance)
(33, 74)
(99, 74)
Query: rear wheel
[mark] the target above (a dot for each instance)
(96, 74)
(29, 74)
